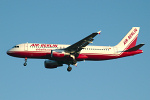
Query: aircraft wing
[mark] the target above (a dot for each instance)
(78, 46)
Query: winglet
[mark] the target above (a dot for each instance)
(99, 32)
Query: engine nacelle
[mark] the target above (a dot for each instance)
(52, 64)
(59, 54)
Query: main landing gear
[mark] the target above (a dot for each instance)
(25, 63)
(69, 68)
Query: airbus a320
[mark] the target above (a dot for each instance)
(59, 54)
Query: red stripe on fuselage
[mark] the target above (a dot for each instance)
(83, 56)
(29, 54)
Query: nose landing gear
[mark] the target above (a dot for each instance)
(25, 64)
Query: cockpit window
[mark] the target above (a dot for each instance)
(16, 47)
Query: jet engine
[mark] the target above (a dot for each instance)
(59, 53)
(52, 64)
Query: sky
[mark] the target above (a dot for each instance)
(66, 22)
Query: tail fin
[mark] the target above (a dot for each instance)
(129, 40)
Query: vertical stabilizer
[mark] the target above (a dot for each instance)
(129, 40)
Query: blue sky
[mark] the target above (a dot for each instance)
(66, 22)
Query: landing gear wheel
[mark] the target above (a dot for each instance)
(69, 68)
(25, 64)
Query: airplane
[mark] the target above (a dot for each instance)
(58, 54)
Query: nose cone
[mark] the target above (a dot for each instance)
(8, 52)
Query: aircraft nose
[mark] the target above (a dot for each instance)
(8, 52)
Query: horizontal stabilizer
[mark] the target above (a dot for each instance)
(134, 48)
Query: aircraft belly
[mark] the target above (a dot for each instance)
(93, 56)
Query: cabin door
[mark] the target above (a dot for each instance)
(26, 47)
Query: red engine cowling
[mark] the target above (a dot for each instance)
(52, 64)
